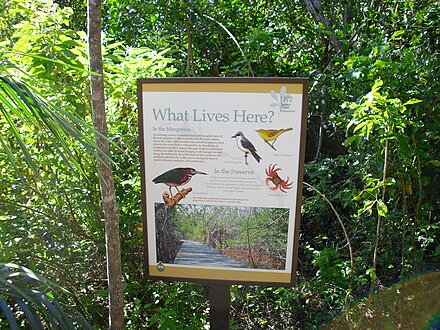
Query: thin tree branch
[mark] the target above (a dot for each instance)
(251, 72)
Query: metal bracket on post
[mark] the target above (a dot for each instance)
(219, 303)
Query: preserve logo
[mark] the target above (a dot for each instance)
(283, 100)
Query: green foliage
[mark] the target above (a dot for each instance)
(41, 226)
(54, 224)
(379, 116)
(165, 305)
(308, 305)
(44, 53)
(373, 75)
(384, 128)
(330, 268)
(179, 308)
(30, 300)
(18, 104)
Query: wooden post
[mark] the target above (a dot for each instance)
(219, 303)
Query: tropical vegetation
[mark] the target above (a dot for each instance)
(370, 208)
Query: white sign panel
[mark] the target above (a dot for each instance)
(222, 163)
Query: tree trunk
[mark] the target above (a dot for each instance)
(190, 60)
(104, 166)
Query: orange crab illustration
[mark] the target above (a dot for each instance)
(273, 176)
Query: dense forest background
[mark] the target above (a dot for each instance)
(370, 210)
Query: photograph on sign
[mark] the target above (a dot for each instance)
(222, 163)
(230, 237)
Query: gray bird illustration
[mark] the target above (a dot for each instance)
(246, 146)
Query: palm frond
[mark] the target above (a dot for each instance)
(20, 106)
(31, 299)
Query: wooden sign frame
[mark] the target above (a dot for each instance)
(198, 129)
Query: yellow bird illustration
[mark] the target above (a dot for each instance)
(272, 135)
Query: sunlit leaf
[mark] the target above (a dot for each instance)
(412, 101)
(372, 273)
(367, 206)
(382, 209)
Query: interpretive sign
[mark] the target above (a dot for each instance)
(222, 168)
